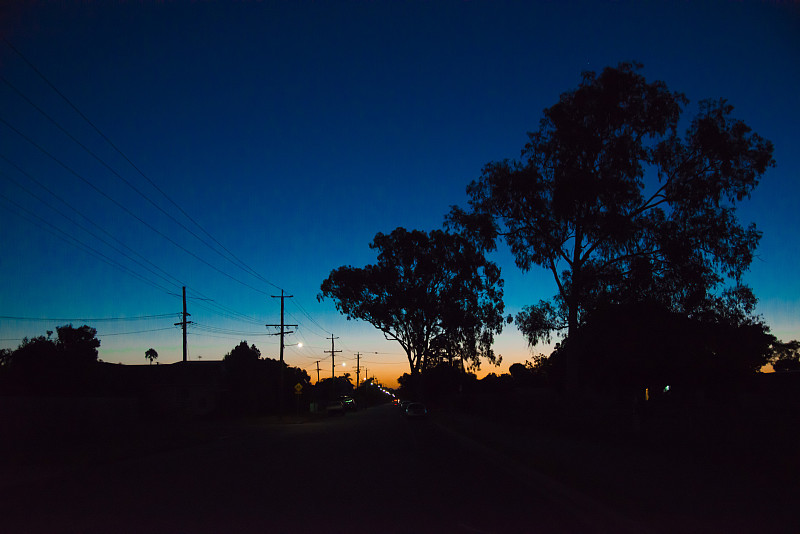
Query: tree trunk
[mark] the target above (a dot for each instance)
(571, 382)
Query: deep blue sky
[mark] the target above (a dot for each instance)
(293, 132)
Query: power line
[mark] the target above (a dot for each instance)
(99, 334)
(88, 231)
(115, 173)
(80, 244)
(243, 265)
(225, 311)
(220, 330)
(304, 312)
(106, 259)
(30, 177)
(90, 319)
(122, 207)
(238, 263)
(223, 336)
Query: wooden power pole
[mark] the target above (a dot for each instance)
(333, 365)
(282, 333)
(358, 368)
(184, 322)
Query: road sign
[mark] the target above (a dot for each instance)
(298, 388)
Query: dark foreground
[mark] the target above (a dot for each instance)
(370, 471)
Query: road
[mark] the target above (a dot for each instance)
(370, 471)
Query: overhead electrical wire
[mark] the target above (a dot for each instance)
(88, 319)
(238, 262)
(221, 330)
(80, 244)
(225, 311)
(115, 173)
(222, 335)
(78, 212)
(82, 227)
(304, 312)
(100, 334)
(242, 265)
(122, 207)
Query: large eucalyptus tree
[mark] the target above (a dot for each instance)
(432, 292)
(617, 205)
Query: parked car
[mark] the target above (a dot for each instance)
(416, 410)
(403, 405)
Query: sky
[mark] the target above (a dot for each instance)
(241, 149)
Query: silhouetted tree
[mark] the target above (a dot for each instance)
(78, 345)
(242, 356)
(518, 370)
(494, 385)
(786, 356)
(624, 348)
(434, 293)
(151, 354)
(253, 381)
(577, 204)
(5, 357)
(32, 367)
(329, 388)
(245, 377)
(535, 373)
(42, 365)
(291, 377)
(436, 383)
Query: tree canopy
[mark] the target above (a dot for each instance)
(618, 206)
(628, 347)
(253, 384)
(42, 365)
(786, 356)
(151, 354)
(242, 355)
(434, 293)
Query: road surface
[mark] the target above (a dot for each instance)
(369, 471)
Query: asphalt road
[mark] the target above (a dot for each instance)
(369, 471)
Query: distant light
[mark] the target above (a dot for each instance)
(300, 345)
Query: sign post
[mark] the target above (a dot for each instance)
(298, 390)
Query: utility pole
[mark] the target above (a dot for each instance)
(282, 333)
(333, 364)
(358, 368)
(317, 362)
(184, 322)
